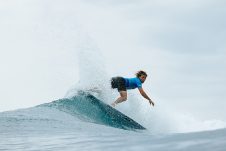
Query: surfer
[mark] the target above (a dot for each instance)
(124, 84)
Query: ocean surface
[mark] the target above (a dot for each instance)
(84, 122)
(48, 45)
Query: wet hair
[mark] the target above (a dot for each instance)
(140, 73)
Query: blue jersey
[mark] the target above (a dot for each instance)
(132, 83)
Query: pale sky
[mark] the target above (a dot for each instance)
(181, 44)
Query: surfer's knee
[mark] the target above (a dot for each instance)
(124, 98)
(123, 95)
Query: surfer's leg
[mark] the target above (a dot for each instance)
(123, 97)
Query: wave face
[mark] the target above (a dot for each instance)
(87, 107)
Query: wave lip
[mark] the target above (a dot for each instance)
(87, 107)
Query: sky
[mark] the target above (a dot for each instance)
(181, 45)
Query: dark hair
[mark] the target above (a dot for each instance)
(140, 73)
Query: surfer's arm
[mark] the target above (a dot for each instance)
(145, 96)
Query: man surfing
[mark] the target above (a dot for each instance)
(124, 84)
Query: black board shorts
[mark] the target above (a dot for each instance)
(119, 83)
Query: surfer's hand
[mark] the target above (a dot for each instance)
(151, 102)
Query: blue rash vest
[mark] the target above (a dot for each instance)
(132, 83)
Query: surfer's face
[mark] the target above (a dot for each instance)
(142, 78)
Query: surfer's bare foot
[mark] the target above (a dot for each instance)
(113, 104)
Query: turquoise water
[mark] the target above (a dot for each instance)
(82, 123)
